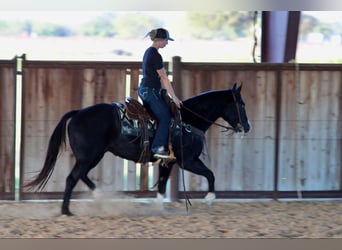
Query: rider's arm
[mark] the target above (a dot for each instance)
(167, 85)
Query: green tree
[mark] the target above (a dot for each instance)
(56, 30)
(27, 27)
(134, 25)
(307, 25)
(124, 25)
(222, 25)
(100, 26)
(10, 27)
(310, 24)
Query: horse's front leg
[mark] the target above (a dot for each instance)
(196, 166)
(164, 174)
(209, 198)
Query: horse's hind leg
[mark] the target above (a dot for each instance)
(91, 185)
(80, 171)
(71, 182)
(84, 174)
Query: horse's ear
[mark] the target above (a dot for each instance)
(239, 88)
(234, 87)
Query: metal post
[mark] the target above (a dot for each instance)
(292, 36)
(279, 35)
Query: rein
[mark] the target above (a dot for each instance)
(187, 200)
(216, 123)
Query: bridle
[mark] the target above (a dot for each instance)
(237, 108)
(216, 123)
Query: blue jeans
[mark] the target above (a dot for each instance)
(152, 98)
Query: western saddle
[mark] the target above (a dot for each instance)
(136, 111)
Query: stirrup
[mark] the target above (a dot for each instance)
(161, 156)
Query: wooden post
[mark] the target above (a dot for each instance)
(176, 73)
(176, 82)
(277, 135)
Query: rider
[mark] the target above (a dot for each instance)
(154, 79)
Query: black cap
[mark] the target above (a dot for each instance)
(160, 34)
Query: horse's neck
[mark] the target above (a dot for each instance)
(204, 109)
(201, 118)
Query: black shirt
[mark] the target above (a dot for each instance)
(152, 61)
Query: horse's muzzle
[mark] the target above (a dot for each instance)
(243, 129)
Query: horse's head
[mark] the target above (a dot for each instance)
(235, 113)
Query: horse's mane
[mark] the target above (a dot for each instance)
(207, 104)
(203, 98)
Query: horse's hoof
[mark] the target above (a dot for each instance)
(209, 198)
(160, 200)
(67, 213)
(97, 194)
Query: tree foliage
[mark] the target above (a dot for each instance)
(30, 27)
(223, 25)
(310, 24)
(121, 25)
(100, 26)
(201, 25)
(135, 25)
(56, 30)
(307, 25)
(10, 27)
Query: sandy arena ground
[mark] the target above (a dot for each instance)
(132, 219)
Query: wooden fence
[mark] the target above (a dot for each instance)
(293, 149)
(7, 117)
(50, 90)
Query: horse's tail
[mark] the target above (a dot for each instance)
(55, 144)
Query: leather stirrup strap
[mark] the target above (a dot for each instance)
(135, 110)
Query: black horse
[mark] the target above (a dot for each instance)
(97, 129)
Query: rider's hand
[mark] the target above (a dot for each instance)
(177, 102)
